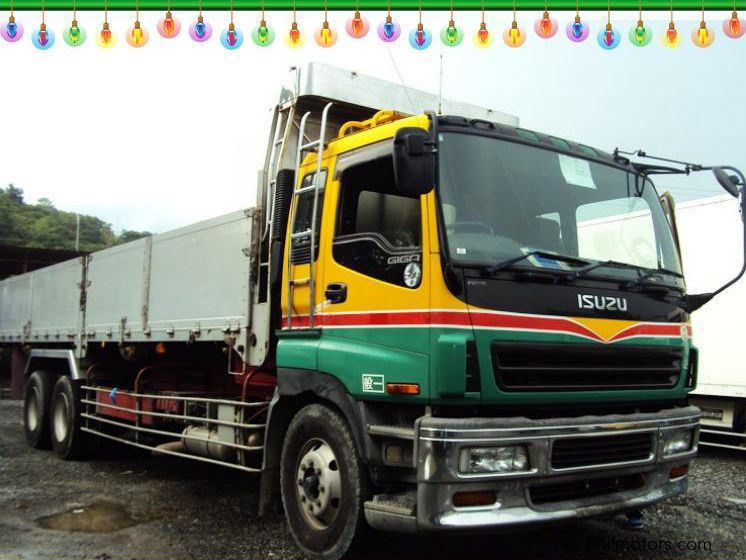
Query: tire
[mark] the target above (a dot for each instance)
(324, 511)
(68, 442)
(36, 400)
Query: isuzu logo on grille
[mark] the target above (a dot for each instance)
(602, 303)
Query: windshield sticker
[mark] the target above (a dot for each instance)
(460, 251)
(576, 171)
(545, 261)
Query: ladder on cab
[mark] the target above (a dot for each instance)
(283, 123)
(309, 233)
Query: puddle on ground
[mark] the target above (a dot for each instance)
(98, 517)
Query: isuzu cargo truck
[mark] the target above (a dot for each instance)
(420, 326)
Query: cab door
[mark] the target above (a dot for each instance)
(375, 310)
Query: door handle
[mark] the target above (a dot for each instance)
(336, 292)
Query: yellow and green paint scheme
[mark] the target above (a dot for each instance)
(384, 333)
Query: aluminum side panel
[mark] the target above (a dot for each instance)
(55, 301)
(15, 307)
(199, 279)
(116, 279)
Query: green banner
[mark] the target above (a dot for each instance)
(349, 5)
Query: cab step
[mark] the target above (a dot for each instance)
(398, 432)
(393, 512)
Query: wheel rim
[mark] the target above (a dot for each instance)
(319, 483)
(60, 418)
(32, 409)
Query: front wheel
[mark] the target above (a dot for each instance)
(322, 482)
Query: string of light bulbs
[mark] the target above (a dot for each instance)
(420, 37)
(357, 27)
(577, 31)
(231, 37)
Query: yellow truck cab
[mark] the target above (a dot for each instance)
(502, 364)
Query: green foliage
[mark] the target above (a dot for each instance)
(43, 226)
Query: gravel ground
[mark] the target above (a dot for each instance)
(187, 510)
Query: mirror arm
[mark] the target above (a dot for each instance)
(695, 301)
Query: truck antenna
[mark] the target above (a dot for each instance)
(440, 87)
(401, 80)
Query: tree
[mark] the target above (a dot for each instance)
(15, 194)
(128, 235)
(41, 225)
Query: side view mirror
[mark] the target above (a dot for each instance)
(728, 182)
(734, 185)
(414, 161)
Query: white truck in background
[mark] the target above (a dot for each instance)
(708, 236)
(708, 239)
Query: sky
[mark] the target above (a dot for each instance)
(163, 136)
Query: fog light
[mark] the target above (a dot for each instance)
(678, 472)
(474, 499)
(676, 441)
(494, 459)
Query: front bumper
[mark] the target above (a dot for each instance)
(439, 441)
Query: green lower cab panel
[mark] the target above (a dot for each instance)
(366, 368)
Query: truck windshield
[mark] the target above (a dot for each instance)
(503, 199)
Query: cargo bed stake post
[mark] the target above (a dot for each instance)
(83, 286)
(145, 302)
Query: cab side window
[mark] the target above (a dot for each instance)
(378, 230)
(301, 246)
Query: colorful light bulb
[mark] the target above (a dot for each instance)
(514, 36)
(74, 35)
(546, 27)
(262, 35)
(389, 31)
(105, 38)
(639, 35)
(609, 38)
(43, 38)
(420, 38)
(451, 35)
(200, 30)
(325, 36)
(483, 38)
(137, 36)
(294, 38)
(577, 31)
(703, 36)
(231, 37)
(734, 27)
(169, 26)
(671, 37)
(357, 26)
(11, 31)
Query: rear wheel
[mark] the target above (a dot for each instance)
(37, 396)
(68, 442)
(323, 485)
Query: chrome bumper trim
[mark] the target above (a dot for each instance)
(439, 442)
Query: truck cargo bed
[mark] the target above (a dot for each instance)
(190, 283)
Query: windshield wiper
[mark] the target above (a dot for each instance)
(649, 274)
(507, 263)
(629, 284)
(585, 270)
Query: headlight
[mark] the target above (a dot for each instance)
(494, 459)
(677, 441)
